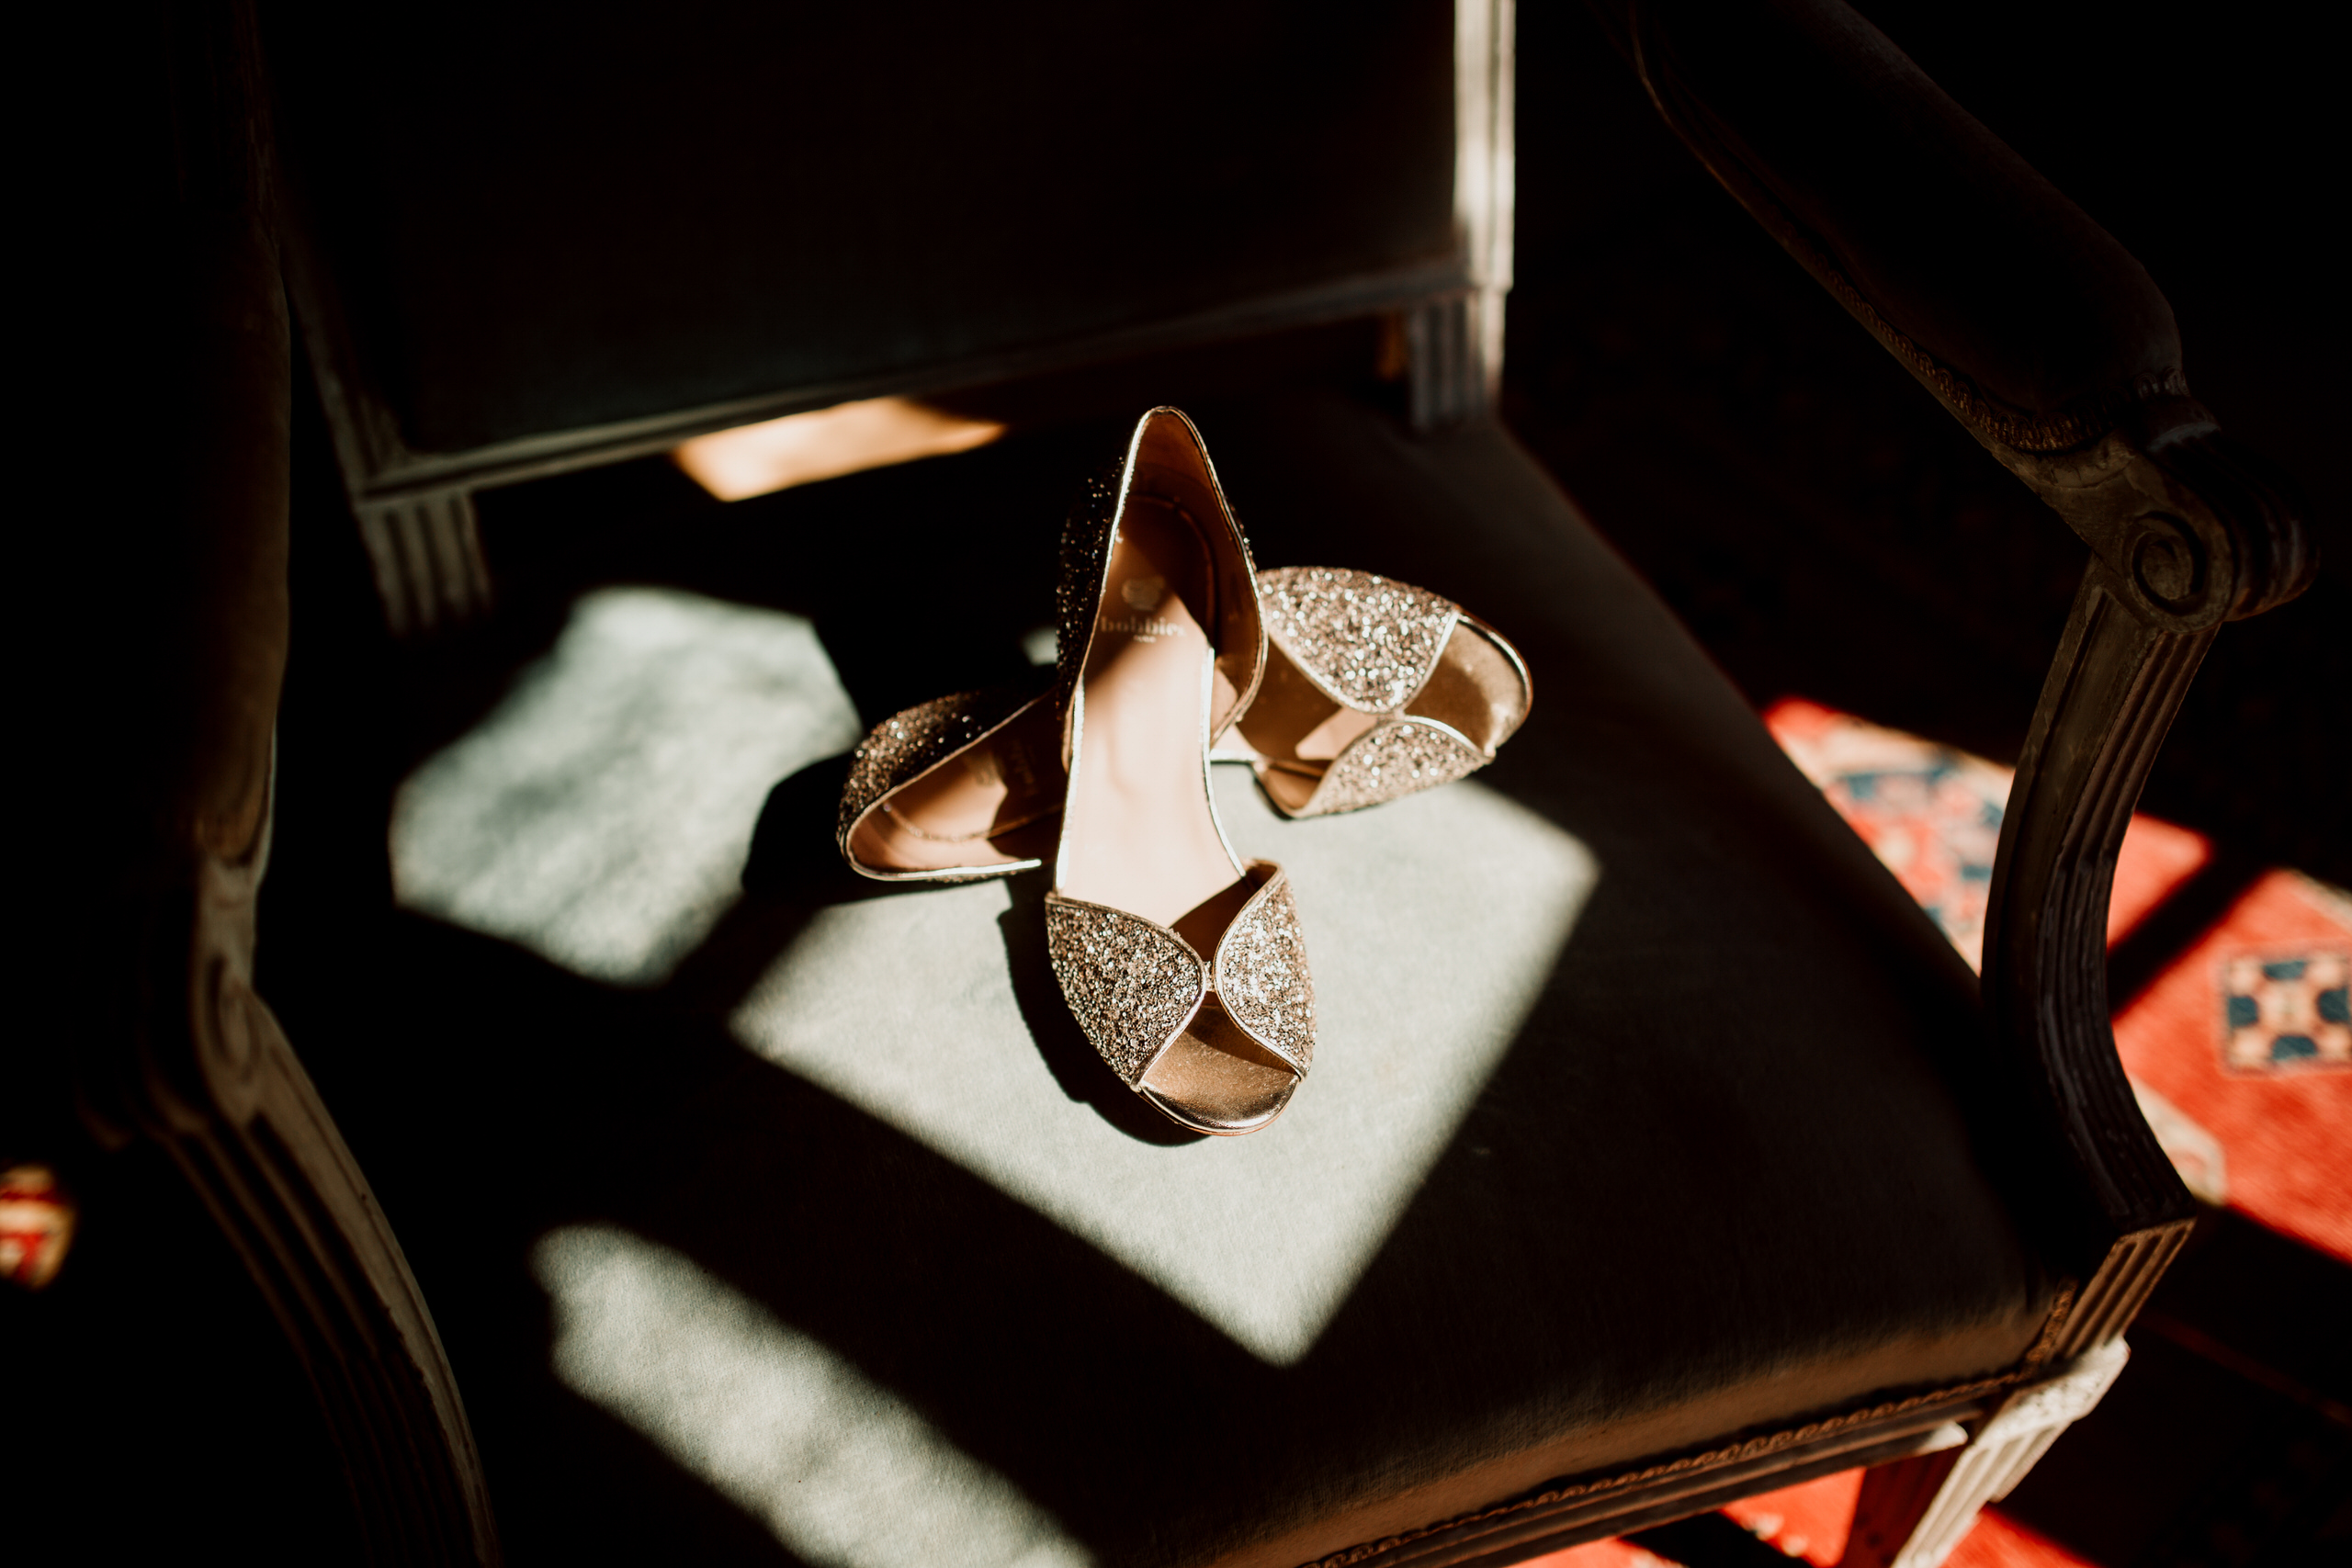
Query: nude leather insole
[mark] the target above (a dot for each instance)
(987, 806)
(1137, 833)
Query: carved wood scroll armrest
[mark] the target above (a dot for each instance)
(2041, 335)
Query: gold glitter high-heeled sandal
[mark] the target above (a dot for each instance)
(957, 789)
(1327, 732)
(1184, 966)
(1375, 690)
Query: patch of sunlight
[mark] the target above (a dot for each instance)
(823, 444)
(844, 1471)
(599, 816)
(1431, 924)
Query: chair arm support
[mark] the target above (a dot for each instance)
(2113, 1211)
(2186, 530)
(2054, 347)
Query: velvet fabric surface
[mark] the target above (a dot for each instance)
(1647, 1108)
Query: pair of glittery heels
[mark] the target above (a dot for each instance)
(1183, 964)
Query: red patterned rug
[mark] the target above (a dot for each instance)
(1809, 1524)
(2242, 1047)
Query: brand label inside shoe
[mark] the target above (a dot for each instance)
(1145, 594)
(1143, 628)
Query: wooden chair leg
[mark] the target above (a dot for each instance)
(1454, 341)
(1913, 1511)
(1446, 359)
(426, 552)
(160, 802)
(207, 1073)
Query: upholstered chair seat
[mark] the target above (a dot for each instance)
(1649, 1113)
(720, 1207)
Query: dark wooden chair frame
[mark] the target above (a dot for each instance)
(416, 509)
(2184, 534)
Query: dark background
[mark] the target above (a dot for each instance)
(550, 216)
(1825, 528)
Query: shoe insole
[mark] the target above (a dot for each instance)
(1137, 832)
(991, 803)
(1216, 1078)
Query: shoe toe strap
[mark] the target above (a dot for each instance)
(1261, 971)
(1401, 756)
(1369, 642)
(1132, 983)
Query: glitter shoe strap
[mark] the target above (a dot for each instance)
(1389, 761)
(906, 746)
(1367, 642)
(1261, 971)
(1131, 984)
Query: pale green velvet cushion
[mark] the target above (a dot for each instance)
(1637, 1113)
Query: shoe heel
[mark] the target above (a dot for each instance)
(1375, 690)
(958, 789)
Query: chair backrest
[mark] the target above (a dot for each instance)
(535, 237)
